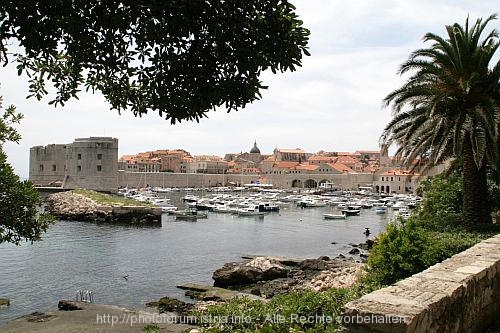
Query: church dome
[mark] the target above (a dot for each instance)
(255, 150)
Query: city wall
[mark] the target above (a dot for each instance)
(461, 294)
(164, 179)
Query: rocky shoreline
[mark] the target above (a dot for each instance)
(263, 278)
(76, 207)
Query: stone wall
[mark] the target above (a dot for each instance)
(461, 294)
(165, 179)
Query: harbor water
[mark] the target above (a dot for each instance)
(129, 266)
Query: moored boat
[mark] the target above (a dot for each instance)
(351, 212)
(331, 216)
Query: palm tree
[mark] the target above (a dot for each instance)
(449, 108)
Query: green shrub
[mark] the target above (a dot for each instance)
(446, 244)
(304, 311)
(402, 250)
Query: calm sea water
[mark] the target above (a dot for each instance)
(76, 255)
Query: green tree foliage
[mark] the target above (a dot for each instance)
(401, 251)
(180, 58)
(442, 194)
(449, 107)
(19, 200)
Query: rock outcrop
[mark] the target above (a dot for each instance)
(4, 302)
(312, 274)
(76, 207)
(255, 270)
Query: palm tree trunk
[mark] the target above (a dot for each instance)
(476, 209)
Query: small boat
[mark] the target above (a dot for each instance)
(189, 215)
(310, 203)
(168, 209)
(331, 216)
(351, 212)
(190, 198)
(381, 210)
(223, 209)
(268, 207)
(252, 210)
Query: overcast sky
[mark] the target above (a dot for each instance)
(332, 103)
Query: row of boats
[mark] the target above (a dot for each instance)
(241, 203)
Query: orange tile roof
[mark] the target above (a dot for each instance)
(251, 170)
(307, 167)
(347, 160)
(285, 165)
(321, 158)
(340, 167)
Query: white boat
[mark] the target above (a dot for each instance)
(252, 210)
(190, 198)
(381, 210)
(168, 209)
(310, 203)
(331, 216)
(160, 201)
(223, 209)
(400, 205)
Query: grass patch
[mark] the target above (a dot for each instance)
(111, 200)
(303, 311)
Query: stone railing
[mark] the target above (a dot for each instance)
(461, 294)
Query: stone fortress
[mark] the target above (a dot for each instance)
(93, 163)
(86, 163)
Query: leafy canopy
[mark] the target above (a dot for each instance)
(19, 200)
(180, 58)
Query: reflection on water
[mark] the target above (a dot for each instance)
(76, 255)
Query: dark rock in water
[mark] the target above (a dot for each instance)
(258, 269)
(340, 256)
(4, 302)
(68, 306)
(354, 251)
(168, 304)
(334, 243)
(354, 245)
(367, 245)
(324, 258)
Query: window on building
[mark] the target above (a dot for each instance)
(99, 168)
(392, 179)
(382, 178)
(78, 168)
(54, 167)
(41, 167)
(99, 156)
(79, 156)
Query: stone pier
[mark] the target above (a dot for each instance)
(461, 294)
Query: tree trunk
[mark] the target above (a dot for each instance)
(476, 208)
